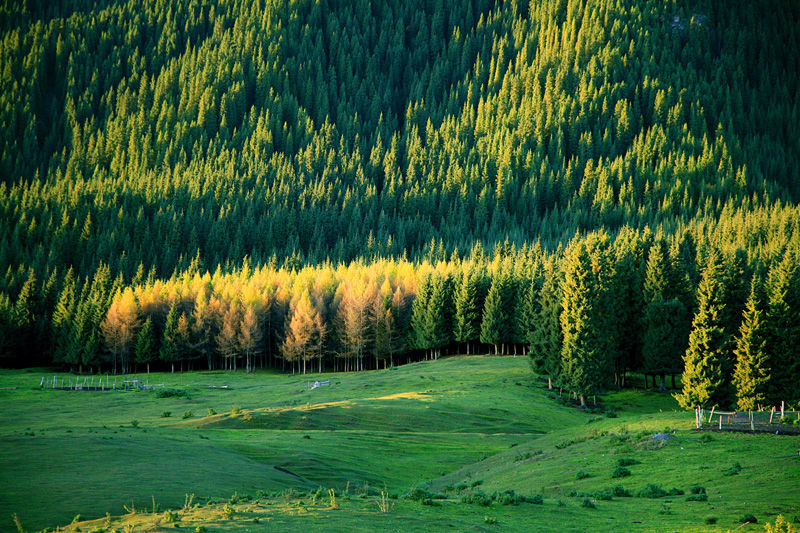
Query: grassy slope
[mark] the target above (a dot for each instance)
(451, 421)
(767, 484)
(77, 452)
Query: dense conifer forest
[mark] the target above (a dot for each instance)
(605, 186)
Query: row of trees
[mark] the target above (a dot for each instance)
(586, 316)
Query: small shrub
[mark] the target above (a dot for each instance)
(733, 470)
(431, 502)
(582, 475)
(211, 411)
(170, 517)
(748, 519)
(537, 500)
(697, 489)
(171, 393)
(166, 414)
(561, 503)
(620, 471)
(491, 520)
(477, 498)
(187, 414)
(620, 492)
(134, 423)
(697, 498)
(418, 494)
(476, 483)
(651, 490)
(675, 492)
(627, 461)
(461, 486)
(786, 420)
(711, 520)
(665, 509)
(706, 438)
(603, 494)
(610, 414)
(589, 504)
(236, 410)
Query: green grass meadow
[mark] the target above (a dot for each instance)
(455, 428)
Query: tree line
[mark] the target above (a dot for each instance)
(144, 142)
(586, 315)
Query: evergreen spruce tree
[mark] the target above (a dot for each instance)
(752, 374)
(586, 349)
(545, 338)
(145, 348)
(438, 314)
(783, 328)
(168, 352)
(418, 338)
(704, 380)
(467, 319)
(495, 328)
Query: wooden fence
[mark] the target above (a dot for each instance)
(773, 419)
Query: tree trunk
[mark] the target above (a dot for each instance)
(663, 386)
(583, 401)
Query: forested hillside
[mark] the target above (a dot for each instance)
(154, 141)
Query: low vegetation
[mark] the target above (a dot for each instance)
(387, 449)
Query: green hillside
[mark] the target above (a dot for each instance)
(390, 429)
(275, 448)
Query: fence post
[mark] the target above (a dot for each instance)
(781, 408)
(771, 414)
(720, 422)
(711, 416)
(752, 427)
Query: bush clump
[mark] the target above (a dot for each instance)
(510, 497)
(420, 495)
(166, 414)
(748, 519)
(651, 490)
(171, 393)
(733, 470)
(603, 494)
(627, 461)
(588, 503)
(675, 492)
(620, 471)
(582, 475)
(477, 498)
(187, 415)
(697, 493)
(621, 492)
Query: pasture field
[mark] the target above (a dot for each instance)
(263, 454)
